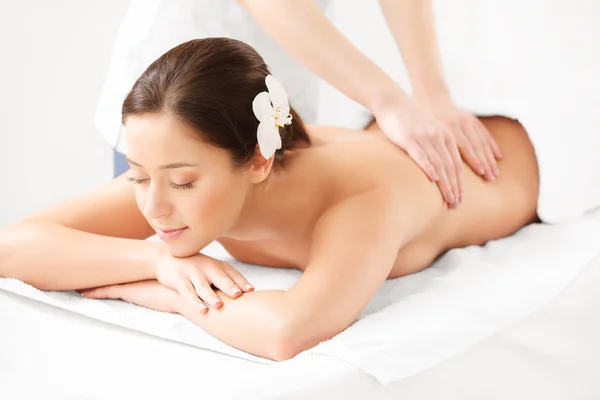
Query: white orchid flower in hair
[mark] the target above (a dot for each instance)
(272, 109)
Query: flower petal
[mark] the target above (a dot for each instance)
(278, 95)
(268, 138)
(261, 105)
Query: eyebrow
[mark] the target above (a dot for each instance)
(168, 166)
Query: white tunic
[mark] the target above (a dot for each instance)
(152, 27)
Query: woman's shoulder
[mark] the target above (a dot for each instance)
(349, 161)
(354, 154)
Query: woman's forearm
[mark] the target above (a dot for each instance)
(262, 323)
(301, 28)
(413, 26)
(52, 257)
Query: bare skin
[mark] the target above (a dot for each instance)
(350, 211)
(491, 210)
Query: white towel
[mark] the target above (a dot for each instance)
(413, 322)
(469, 294)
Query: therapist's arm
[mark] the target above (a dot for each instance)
(302, 29)
(412, 24)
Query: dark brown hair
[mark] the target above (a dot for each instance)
(210, 84)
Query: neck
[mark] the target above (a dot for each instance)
(255, 221)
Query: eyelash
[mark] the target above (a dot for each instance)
(173, 185)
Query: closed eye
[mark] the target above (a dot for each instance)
(188, 185)
(180, 187)
(136, 181)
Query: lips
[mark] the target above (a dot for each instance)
(170, 234)
(170, 230)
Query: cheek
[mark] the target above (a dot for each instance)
(220, 202)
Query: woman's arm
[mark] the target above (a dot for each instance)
(50, 256)
(89, 241)
(413, 27)
(302, 29)
(95, 240)
(354, 248)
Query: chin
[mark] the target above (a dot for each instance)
(182, 249)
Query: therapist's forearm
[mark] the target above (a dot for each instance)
(49, 256)
(413, 26)
(301, 28)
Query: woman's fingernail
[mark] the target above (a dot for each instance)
(202, 306)
(248, 286)
(236, 290)
(451, 198)
(496, 171)
(216, 301)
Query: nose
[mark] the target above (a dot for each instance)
(157, 204)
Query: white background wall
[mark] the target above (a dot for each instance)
(53, 59)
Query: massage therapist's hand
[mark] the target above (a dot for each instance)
(477, 146)
(193, 276)
(426, 140)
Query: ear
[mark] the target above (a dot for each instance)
(260, 167)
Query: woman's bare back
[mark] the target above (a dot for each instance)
(341, 161)
(490, 210)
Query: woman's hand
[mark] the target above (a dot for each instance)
(149, 294)
(477, 146)
(426, 140)
(193, 276)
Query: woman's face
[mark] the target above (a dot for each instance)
(189, 191)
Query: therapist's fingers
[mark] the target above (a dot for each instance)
(493, 144)
(443, 152)
(485, 138)
(417, 153)
(443, 182)
(473, 136)
(468, 152)
(457, 162)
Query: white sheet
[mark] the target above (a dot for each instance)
(414, 322)
(552, 354)
(70, 356)
(465, 297)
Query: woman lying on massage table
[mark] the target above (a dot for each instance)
(217, 154)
